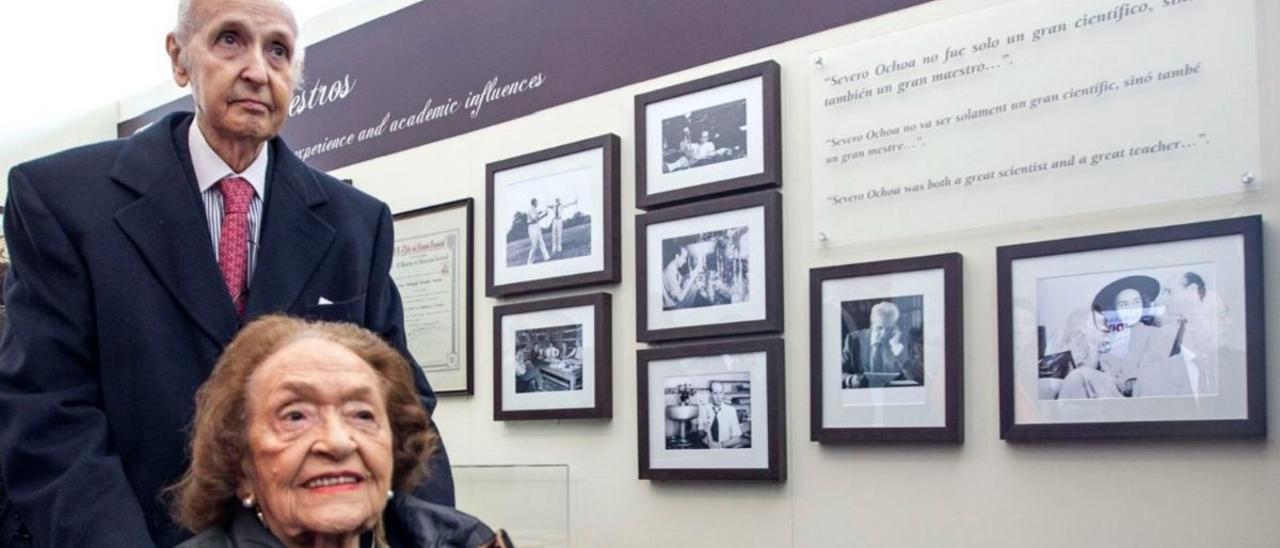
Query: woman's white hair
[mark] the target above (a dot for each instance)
(188, 23)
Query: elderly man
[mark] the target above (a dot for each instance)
(135, 261)
(877, 355)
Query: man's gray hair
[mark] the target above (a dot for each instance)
(187, 25)
(886, 310)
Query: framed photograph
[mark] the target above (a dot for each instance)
(552, 218)
(886, 350)
(431, 266)
(711, 136)
(552, 359)
(710, 268)
(712, 411)
(1154, 332)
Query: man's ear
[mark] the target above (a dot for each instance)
(174, 49)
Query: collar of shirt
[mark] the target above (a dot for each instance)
(210, 168)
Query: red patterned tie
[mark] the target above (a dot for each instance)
(233, 240)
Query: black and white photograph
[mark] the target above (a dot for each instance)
(705, 136)
(706, 269)
(1147, 332)
(710, 268)
(549, 359)
(712, 411)
(552, 217)
(554, 227)
(882, 342)
(708, 137)
(887, 351)
(552, 359)
(708, 411)
(1137, 334)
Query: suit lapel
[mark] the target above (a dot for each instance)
(167, 225)
(293, 238)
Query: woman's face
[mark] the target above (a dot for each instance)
(320, 444)
(1129, 307)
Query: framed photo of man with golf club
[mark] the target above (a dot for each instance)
(552, 218)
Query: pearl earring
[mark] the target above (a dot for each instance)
(247, 502)
(390, 494)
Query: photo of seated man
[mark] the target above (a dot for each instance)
(705, 136)
(882, 343)
(1135, 336)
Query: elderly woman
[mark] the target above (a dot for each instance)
(311, 434)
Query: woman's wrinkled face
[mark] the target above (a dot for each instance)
(320, 443)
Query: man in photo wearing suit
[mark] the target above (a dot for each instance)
(877, 355)
(134, 262)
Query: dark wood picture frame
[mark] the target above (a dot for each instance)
(611, 178)
(603, 353)
(468, 298)
(953, 374)
(775, 355)
(770, 176)
(1254, 424)
(771, 201)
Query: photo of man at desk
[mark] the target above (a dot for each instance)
(883, 342)
(549, 359)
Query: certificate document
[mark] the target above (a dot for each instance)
(431, 268)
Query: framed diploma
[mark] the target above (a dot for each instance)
(431, 266)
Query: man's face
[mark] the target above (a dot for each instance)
(717, 394)
(880, 325)
(1178, 296)
(240, 64)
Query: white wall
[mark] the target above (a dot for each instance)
(97, 125)
(983, 493)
